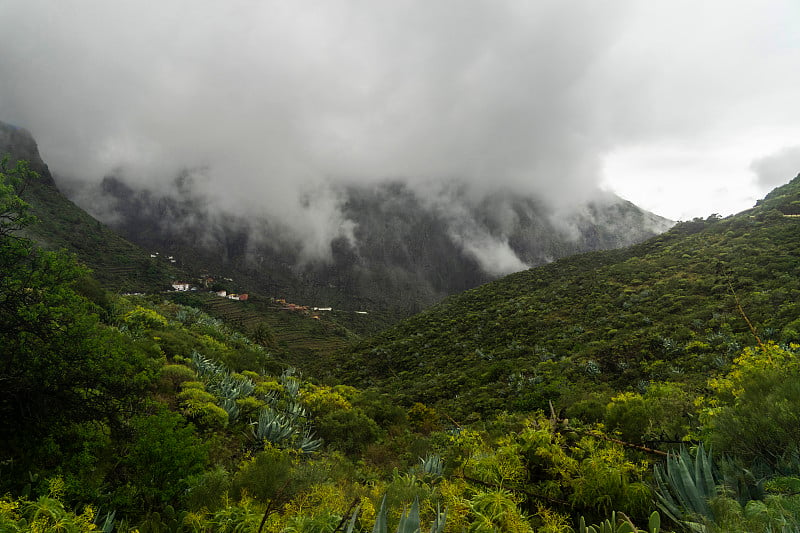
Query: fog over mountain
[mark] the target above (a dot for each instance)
(274, 108)
(399, 251)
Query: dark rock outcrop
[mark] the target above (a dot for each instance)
(18, 143)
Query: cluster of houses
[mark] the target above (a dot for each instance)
(232, 295)
(170, 258)
(184, 286)
(206, 281)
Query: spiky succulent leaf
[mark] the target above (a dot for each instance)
(351, 524)
(381, 525)
(439, 520)
(654, 523)
(308, 443)
(686, 487)
(432, 464)
(409, 522)
(272, 427)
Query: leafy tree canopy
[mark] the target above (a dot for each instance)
(59, 365)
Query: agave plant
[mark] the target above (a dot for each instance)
(230, 407)
(409, 520)
(294, 410)
(229, 388)
(432, 465)
(291, 384)
(204, 365)
(271, 397)
(272, 427)
(236, 386)
(106, 524)
(621, 524)
(685, 486)
(224, 385)
(308, 443)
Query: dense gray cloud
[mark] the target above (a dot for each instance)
(774, 169)
(277, 102)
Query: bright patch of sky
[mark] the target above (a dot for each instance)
(681, 182)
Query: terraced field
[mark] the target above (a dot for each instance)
(295, 337)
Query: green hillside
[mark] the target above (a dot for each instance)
(145, 413)
(668, 309)
(119, 265)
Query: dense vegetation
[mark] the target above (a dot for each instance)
(117, 264)
(139, 412)
(675, 308)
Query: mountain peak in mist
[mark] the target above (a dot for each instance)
(19, 144)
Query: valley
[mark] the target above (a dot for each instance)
(651, 387)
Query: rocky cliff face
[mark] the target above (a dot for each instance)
(406, 250)
(18, 143)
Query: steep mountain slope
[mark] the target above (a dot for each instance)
(118, 264)
(672, 308)
(406, 249)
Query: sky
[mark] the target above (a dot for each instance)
(685, 108)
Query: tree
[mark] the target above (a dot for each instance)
(756, 411)
(14, 213)
(59, 365)
(164, 452)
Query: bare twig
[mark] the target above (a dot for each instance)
(744, 315)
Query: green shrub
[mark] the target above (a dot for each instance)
(791, 332)
(175, 342)
(199, 385)
(756, 412)
(173, 376)
(143, 318)
(349, 431)
(164, 453)
(262, 476)
(208, 490)
(664, 411)
(192, 395)
(248, 406)
(198, 405)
